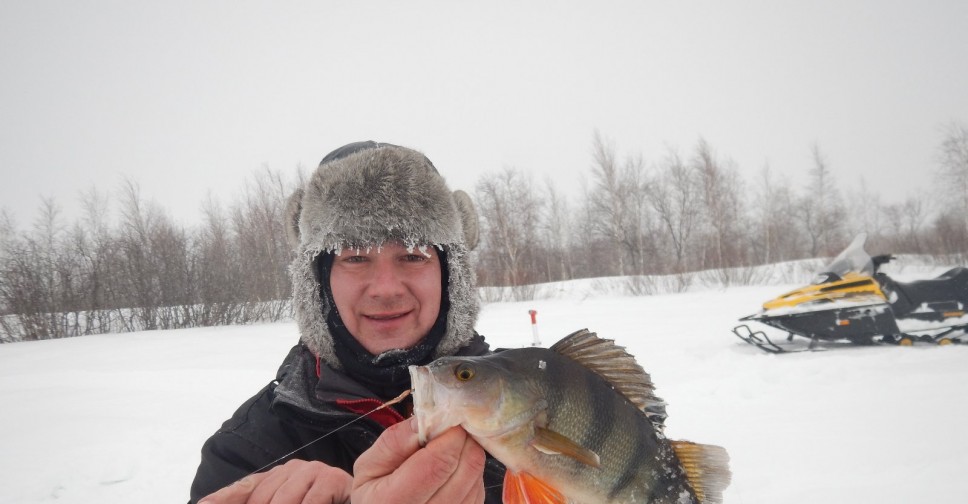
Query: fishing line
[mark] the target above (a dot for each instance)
(320, 438)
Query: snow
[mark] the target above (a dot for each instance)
(121, 418)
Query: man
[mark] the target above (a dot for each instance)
(382, 280)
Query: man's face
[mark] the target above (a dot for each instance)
(387, 296)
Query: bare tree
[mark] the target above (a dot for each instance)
(949, 234)
(906, 221)
(8, 326)
(675, 196)
(510, 210)
(138, 265)
(258, 223)
(821, 210)
(590, 248)
(36, 282)
(865, 215)
(775, 238)
(953, 170)
(723, 208)
(95, 249)
(219, 285)
(557, 236)
(619, 205)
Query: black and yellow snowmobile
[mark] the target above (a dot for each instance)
(851, 301)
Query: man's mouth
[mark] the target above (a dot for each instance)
(386, 316)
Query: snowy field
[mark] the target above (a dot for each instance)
(121, 418)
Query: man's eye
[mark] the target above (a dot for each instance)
(414, 258)
(355, 259)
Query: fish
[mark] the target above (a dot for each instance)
(574, 423)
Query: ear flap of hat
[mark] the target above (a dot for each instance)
(293, 209)
(468, 218)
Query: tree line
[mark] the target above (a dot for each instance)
(132, 268)
(692, 212)
(141, 271)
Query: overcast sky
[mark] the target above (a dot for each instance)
(190, 97)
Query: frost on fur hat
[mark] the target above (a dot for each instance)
(367, 193)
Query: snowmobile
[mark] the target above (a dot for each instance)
(850, 301)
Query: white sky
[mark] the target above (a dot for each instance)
(190, 97)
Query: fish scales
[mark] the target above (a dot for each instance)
(562, 419)
(587, 409)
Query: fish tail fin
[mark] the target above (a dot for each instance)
(523, 488)
(707, 469)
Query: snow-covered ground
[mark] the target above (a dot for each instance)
(121, 418)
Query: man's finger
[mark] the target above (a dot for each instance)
(468, 477)
(391, 449)
(277, 478)
(432, 466)
(333, 487)
(307, 482)
(236, 493)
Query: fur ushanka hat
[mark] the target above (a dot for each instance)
(364, 194)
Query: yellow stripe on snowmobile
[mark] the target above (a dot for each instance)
(852, 285)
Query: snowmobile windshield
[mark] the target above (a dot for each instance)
(854, 259)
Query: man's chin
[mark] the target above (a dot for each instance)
(377, 343)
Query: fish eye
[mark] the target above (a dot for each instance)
(464, 372)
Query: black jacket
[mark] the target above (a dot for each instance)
(306, 400)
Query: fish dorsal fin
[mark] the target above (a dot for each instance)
(706, 467)
(523, 488)
(617, 367)
(553, 443)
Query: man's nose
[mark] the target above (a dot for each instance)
(386, 280)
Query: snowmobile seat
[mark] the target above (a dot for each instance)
(953, 272)
(951, 285)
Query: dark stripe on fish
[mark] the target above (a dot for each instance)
(603, 407)
(632, 467)
(554, 395)
(561, 407)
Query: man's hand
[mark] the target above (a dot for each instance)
(295, 482)
(449, 470)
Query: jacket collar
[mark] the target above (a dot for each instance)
(320, 395)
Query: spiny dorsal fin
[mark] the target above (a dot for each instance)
(707, 469)
(617, 367)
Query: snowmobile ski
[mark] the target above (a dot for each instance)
(761, 340)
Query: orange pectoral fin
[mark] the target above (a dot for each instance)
(523, 488)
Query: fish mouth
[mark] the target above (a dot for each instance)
(422, 385)
(432, 404)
